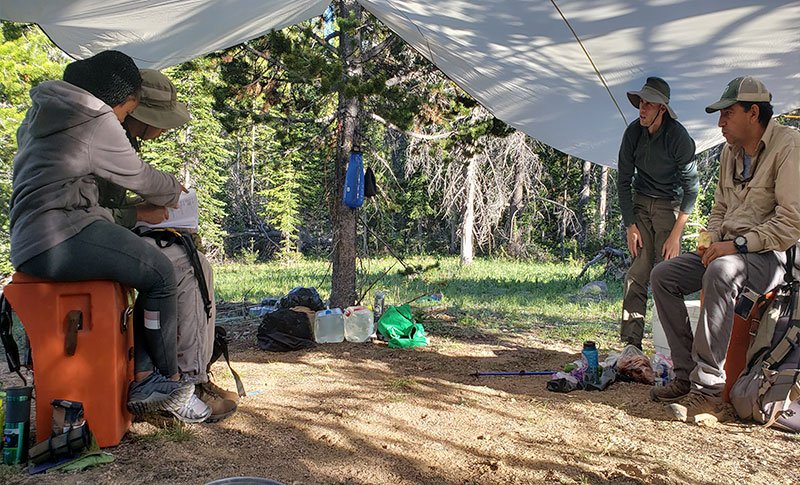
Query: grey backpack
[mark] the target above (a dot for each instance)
(768, 389)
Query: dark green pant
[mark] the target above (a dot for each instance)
(655, 219)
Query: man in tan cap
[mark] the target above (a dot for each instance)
(755, 218)
(158, 111)
(657, 187)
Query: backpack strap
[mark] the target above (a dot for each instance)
(758, 311)
(7, 337)
(221, 349)
(781, 391)
(166, 238)
(791, 338)
(789, 341)
(194, 259)
(791, 253)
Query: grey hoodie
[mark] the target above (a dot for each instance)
(66, 139)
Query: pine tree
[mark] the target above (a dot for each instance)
(198, 152)
(283, 203)
(27, 58)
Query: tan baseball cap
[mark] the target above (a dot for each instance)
(745, 88)
(655, 90)
(159, 105)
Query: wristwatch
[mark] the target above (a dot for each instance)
(741, 244)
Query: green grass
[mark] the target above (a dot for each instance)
(172, 430)
(399, 384)
(490, 296)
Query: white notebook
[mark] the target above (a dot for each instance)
(186, 216)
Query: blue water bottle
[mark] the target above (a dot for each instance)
(589, 353)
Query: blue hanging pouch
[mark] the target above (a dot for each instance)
(353, 196)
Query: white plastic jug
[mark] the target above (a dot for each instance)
(359, 324)
(329, 326)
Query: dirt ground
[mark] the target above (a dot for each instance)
(367, 414)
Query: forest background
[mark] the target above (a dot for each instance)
(260, 150)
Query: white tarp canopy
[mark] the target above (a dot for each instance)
(519, 58)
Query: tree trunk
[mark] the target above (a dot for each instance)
(601, 209)
(452, 223)
(343, 284)
(563, 229)
(467, 248)
(252, 160)
(514, 246)
(188, 161)
(583, 200)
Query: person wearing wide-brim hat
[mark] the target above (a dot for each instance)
(657, 188)
(158, 111)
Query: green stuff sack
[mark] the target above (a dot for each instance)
(398, 326)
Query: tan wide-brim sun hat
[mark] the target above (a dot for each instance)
(159, 106)
(655, 90)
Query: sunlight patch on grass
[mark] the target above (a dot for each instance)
(491, 296)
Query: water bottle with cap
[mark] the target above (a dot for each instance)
(589, 353)
(17, 425)
(329, 326)
(358, 324)
(377, 308)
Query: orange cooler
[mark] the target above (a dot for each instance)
(99, 371)
(736, 359)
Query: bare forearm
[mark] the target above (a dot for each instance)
(680, 224)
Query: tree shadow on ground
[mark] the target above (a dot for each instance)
(364, 413)
(439, 379)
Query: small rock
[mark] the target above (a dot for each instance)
(595, 288)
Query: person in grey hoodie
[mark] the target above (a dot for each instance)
(71, 134)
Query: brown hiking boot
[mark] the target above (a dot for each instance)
(213, 389)
(697, 407)
(672, 392)
(221, 408)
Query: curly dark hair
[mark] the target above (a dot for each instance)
(110, 76)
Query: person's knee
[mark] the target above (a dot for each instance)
(162, 278)
(661, 273)
(720, 276)
(169, 277)
(639, 275)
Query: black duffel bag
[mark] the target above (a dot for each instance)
(286, 329)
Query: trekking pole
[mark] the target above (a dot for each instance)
(514, 373)
(376, 282)
(415, 298)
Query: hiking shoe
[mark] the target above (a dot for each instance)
(221, 408)
(672, 392)
(696, 407)
(213, 389)
(191, 410)
(156, 393)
